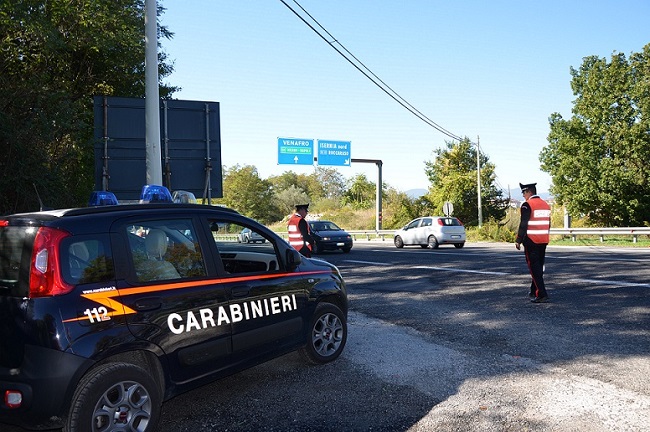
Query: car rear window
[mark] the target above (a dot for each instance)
(15, 255)
(86, 260)
(450, 221)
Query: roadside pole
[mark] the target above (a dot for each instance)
(153, 173)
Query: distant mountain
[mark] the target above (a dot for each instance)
(516, 194)
(416, 193)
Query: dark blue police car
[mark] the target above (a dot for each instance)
(107, 311)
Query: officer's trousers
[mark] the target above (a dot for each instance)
(535, 255)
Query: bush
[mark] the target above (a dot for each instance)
(491, 231)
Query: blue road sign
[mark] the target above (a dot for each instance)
(295, 151)
(335, 153)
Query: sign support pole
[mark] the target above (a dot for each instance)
(379, 163)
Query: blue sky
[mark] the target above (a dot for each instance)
(493, 71)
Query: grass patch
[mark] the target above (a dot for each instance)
(594, 240)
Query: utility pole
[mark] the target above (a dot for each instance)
(153, 153)
(478, 180)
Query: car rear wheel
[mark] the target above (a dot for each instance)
(432, 242)
(115, 396)
(399, 242)
(459, 245)
(328, 332)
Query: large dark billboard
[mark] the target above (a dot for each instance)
(190, 141)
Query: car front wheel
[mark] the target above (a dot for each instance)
(432, 242)
(328, 332)
(115, 397)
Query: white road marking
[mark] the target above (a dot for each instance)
(460, 270)
(610, 282)
(369, 262)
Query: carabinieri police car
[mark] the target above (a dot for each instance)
(107, 311)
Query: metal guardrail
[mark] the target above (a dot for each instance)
(635, 232)
(368, 234)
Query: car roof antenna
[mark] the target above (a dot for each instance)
(40, 201)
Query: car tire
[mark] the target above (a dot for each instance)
(399, 243)
(326, 335)
(115, 391)
(346, 249)
(432, 242)
(459, 245)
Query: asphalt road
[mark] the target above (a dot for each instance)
(447, 340)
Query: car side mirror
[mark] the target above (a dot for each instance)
(292, 259)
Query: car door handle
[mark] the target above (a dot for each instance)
(148, 303)
(240, 291)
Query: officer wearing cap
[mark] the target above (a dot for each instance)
(299, 233)
(533, 233)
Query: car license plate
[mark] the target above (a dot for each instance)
(340, 244)
(455, 236)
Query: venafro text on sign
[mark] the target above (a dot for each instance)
(295, 151)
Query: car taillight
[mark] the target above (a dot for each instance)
(13, 399)
(459, 221)
(45, 276)
(440, 222)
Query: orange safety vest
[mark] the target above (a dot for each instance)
(540, 220)
(295, 236)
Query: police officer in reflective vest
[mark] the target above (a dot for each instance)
(299, 233)
(533, 233)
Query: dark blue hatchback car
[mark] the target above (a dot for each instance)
(106, 312)
(329, 237)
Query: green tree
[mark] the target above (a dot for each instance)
(361, 194)
(308, 183)
(285, 181)
(453, 178)
(323, 184)
(598, 159)
(56, 55)
(287, 199)
(252, 196)
(331, 181)
(398, 209)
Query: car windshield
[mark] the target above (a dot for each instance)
(325, 226)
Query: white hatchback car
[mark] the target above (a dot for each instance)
(430, 232)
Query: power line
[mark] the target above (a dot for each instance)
(331, 41)
(361, 67)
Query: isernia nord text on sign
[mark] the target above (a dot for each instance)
(335, 153)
